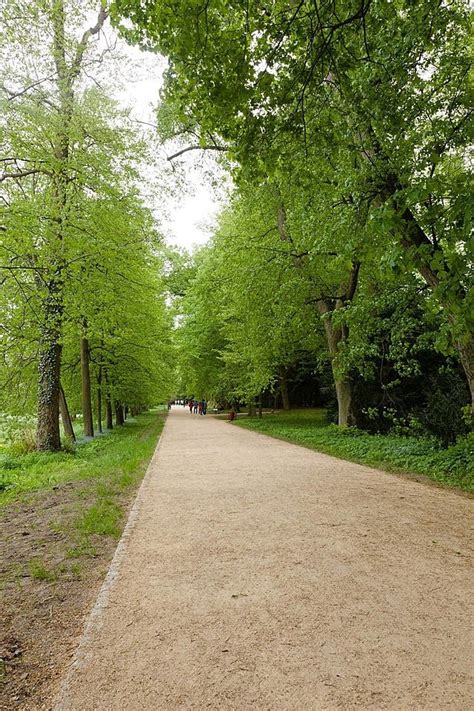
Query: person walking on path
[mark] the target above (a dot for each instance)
(195, 407)
(204, 407)
(191, 403)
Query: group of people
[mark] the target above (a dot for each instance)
(198, 407)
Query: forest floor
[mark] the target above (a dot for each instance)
(60, 520)
(255, 573)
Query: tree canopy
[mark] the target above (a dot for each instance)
(81, 259)
(355, 117)
(342, 264)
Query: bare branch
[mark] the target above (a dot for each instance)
(15, 94)
(102, 17)
(196, 148)
(22, 174)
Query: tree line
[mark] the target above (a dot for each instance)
(346, 128)
(343, 258)
(84, 324)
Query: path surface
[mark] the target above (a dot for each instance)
(262, 575)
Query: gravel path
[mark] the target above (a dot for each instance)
(256, 574)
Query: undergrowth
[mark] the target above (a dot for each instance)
(453, 466)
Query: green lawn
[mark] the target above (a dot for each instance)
(451, 467)
(120, 456)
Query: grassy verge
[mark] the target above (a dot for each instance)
(115, 458)
(451, 467)
(61, 517)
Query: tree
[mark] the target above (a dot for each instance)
(378, 89)
(80, 256)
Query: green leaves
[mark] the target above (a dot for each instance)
(75, 231)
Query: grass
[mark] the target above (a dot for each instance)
(102, 518)
(110, 469)
(450, 467)
(39, 571)
(116, 460)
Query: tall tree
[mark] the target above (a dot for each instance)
(380, 89)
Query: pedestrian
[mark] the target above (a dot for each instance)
(204, 407)
(195, 407)
(191, 403)
(200, 407)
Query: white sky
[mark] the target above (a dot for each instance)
(187, 207)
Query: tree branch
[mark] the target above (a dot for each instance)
(102, 17)
(196, 148)
(22, 174)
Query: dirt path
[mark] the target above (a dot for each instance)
(262, 575)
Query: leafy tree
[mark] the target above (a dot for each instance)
(378, 90)
(80, 257)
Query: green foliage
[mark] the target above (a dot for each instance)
(356, 116)
(80, 255)
(453, 466)
(17, 434)
(444, 417)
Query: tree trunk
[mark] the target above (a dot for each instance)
(48, 436)
(119, 414)
(260, 405)
(86, 389)
(285, 398)
(430, 260)
(49, 363)
(65, 416)
(334, 337)
(425, 255)
(466, 355)
(344, 401)
(49, 366)
(109, 422)
(99, 399)
(251, 411)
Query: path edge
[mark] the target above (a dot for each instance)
(93, 618)
(422, 479)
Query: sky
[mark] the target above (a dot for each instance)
(187, 209)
